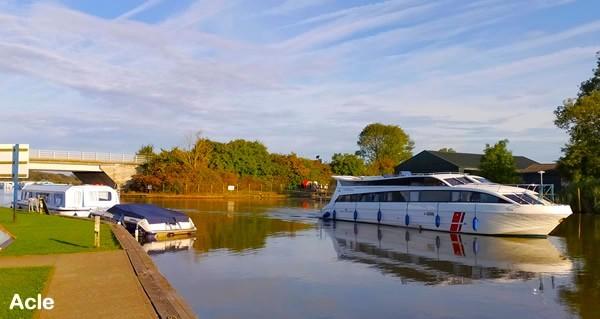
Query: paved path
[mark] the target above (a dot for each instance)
(90, 285)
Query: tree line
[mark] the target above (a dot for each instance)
(380, 148)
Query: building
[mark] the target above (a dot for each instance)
(433, 161)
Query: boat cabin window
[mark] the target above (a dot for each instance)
(476, 197)
(369, 197)
(434, 196)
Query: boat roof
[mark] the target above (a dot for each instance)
(152, 213)
(404, 175)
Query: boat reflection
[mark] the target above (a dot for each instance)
(172, 245)
(446, 258)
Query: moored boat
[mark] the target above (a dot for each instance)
(456, 203)
(156, 223)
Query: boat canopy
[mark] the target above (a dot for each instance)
(152, 213)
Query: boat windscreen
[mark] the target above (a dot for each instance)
(523, 198)
(457, 181)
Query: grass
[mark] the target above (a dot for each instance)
(38, 234)
(27, 282)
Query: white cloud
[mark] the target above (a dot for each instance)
(419, 65)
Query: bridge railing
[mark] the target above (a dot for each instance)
(78, 156)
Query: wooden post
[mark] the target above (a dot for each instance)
(579, 199)
(96, 231)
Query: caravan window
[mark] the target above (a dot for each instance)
(104, 196)
(59, 199)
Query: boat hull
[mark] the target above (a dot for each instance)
(508, 221)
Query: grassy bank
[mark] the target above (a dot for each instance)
(27, 282)
(37, 234)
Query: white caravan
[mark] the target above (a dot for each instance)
(71, 200)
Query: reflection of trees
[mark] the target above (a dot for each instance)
(239, 232)
(235, 225)
(584, 296)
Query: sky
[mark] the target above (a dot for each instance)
(300, 76)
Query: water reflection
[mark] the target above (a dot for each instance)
(168, 246)
(582, 234)
(236, 226)
(239, 232)
(444, 258)
(273, 259)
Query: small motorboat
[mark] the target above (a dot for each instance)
(155, 223)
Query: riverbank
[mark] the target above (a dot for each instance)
(83, 281)
(228, 195)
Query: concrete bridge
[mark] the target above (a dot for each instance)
(114, 169)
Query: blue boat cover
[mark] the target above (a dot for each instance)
(152, 213)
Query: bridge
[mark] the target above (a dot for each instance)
(114, 169)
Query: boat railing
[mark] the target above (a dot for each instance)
(545, 191)
(79, 156)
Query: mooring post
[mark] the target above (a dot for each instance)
(579, 200)
(96, 231)
(15, 173)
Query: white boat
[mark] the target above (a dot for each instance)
(155, 223)
(455, 203)
(437, 258)
(70, 200)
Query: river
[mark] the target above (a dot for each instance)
(275, 259)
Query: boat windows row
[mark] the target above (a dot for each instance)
(422, 196)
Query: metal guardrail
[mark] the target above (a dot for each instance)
(77, 156)
(547, 190)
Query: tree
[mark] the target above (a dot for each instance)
(593, 83)
(347, 164)
(384, 146)
(146, 150)
(447, 150)
(498, 164)
(580, 161)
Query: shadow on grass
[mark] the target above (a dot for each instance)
(68, 243)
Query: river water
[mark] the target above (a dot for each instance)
(275, 259)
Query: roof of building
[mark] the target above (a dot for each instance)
(472, 161)
(534, 168)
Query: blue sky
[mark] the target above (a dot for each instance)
(303, 76)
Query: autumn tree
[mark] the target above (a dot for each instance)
(498, 164)
(384, 146)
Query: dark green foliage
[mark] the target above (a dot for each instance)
(498, 164)
(243, 157)
(593, 83)
(447, 150)
(383, 147)
(580, 162)
(347, 164)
